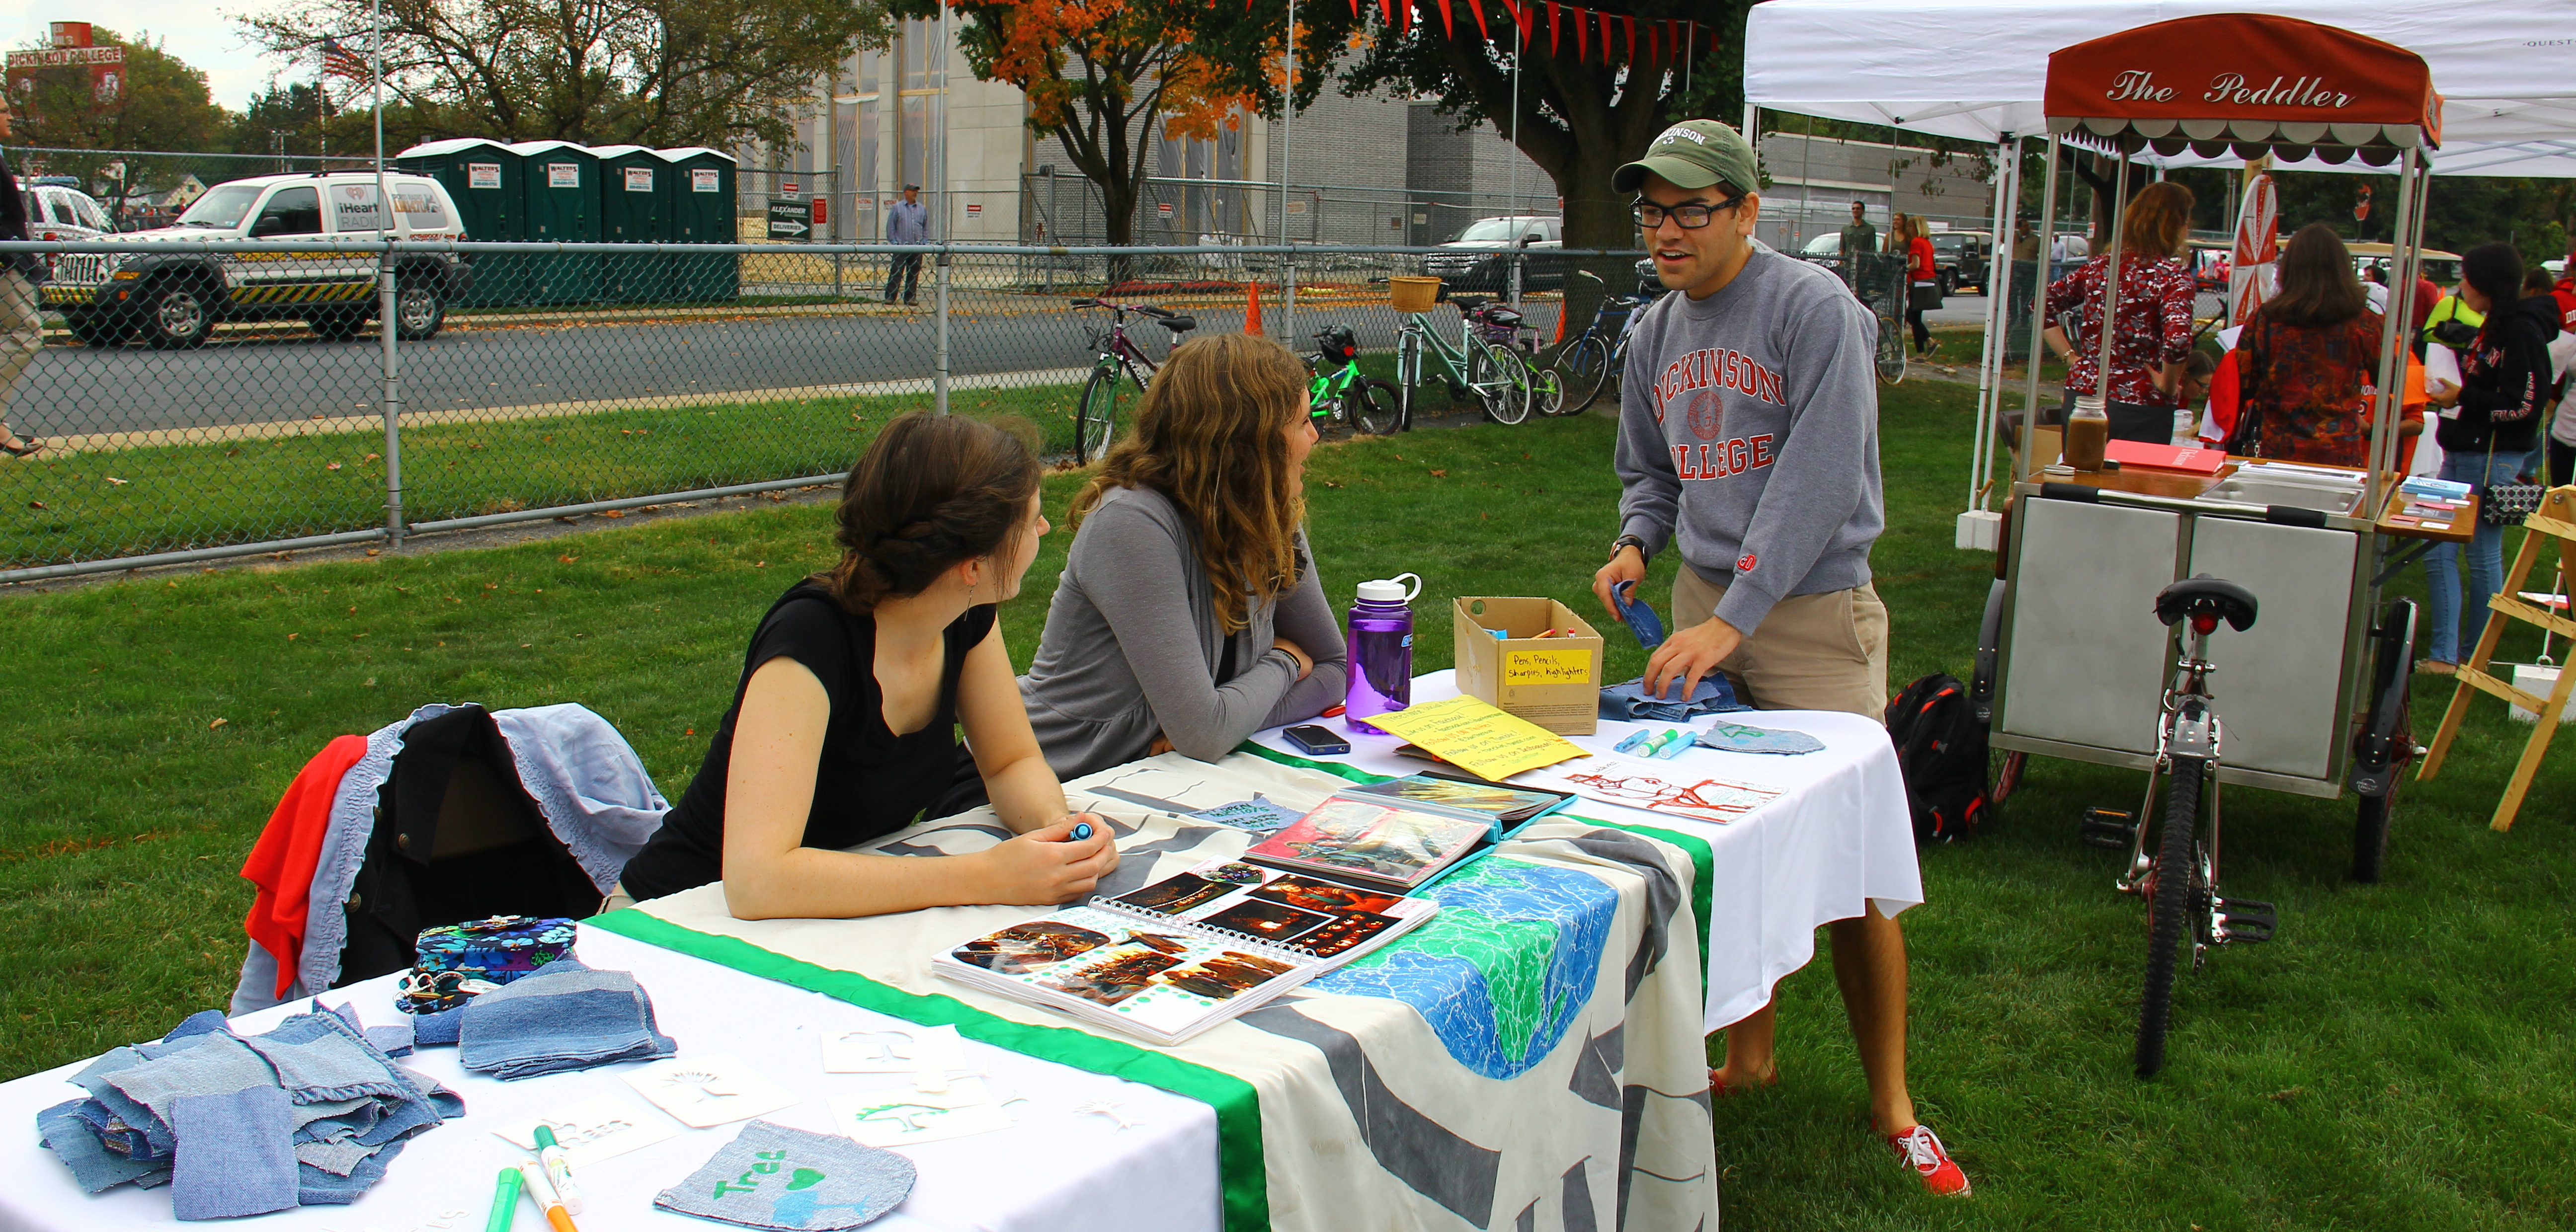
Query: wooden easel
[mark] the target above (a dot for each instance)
(2554, 521)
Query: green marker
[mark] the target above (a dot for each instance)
(505, 1201)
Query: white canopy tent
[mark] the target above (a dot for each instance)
(1977, 70)
(1974, 69)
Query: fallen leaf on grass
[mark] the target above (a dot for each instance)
(567, 559)
(612, 513)
(1440, 474)
(217, 723)
(2284, 1096)
(35, 504)
(372, 457)
(292, 636)
(760, 564)
(114, 480)
(330, 466)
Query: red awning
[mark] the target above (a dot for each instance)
(2246, 83)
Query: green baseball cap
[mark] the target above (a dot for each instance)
(1693, 154)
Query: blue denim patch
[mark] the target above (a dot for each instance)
(94, 1167)
(239, 1160)
(561, 1018)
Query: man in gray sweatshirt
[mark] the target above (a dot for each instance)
(1748, 439)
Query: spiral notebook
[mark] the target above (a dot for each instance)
(1187, 952)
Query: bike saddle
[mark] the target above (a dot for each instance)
(1179, 325)
(1469, 303)
(1502, 316)
(2215, 596)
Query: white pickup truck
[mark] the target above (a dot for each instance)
(323, 271)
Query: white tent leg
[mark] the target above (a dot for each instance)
(2039, 295)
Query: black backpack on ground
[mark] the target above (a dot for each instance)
(1941, 750)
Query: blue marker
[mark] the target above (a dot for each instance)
(1081, 831)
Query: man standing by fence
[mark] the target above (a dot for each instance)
(21, 333)
(906, 223)
(1748, 440)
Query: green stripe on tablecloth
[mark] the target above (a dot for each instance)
(1240, 1171)
(1693, 845)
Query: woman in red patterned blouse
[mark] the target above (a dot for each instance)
(2305, 358)
(2153, 338)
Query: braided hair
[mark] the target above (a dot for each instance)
(932, 491)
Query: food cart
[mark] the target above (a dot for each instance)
(2073, 664)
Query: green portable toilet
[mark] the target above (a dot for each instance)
(698, 208)
(559, 203)
(485, 178)
(630, 212)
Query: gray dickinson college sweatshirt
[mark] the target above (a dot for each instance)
(1748, 424)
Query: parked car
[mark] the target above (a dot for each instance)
(55, 212)
(1479, 260)
(328, 222)
(1962, 258)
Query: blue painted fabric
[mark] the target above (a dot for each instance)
(1628, 702)
(771, 1176)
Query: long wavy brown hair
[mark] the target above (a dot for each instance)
(1210, 436)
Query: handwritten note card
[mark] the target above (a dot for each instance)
(1478, 736)
(1547, 667)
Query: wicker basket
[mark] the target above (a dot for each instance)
(1413, 294)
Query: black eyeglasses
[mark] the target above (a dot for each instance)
(1691, 217)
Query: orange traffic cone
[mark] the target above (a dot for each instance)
(1560, 323)
(1252, 313)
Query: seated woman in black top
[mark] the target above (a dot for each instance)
(842, 727)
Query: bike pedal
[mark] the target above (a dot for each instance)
(2245, 920)
(2111, 828)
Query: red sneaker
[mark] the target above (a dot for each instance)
(1921, 1149)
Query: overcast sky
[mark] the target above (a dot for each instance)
(196, 31)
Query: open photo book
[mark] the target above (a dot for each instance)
(1181, 955)
(1403, 832)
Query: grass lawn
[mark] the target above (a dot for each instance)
(2399, 1058)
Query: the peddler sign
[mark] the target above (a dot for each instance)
(2238, 74)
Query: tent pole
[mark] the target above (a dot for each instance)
(2039, 300)
(2111, 278)
(1989, 388)
(2393, 349)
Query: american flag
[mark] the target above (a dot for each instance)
(339, 61)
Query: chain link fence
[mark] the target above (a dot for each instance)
(203, 399)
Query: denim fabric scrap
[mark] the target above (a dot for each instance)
(772, 1176)
(199, 1023)
(1739, 738)
(238, 1159)
(393, 1041)
(339, 1157)
(321, 1057)
(1630, 703)
(94, 1167)
(562, 1018)
(216, 1064)
(444, 1027)
(315, 1187)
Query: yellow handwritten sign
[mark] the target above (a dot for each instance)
(1547, 667)
(1478, 737)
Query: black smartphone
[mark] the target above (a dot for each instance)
(1317, 740)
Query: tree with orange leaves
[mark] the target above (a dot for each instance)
(1100, 75)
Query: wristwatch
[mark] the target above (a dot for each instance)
(1629, 541)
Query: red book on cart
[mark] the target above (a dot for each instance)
(2186, 459)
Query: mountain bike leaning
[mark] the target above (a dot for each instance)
(1341, 397)
(1585, 365)
(1479, 365)
(1118, 375)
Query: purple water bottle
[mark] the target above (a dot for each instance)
(1381, 650)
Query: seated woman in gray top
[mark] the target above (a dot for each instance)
(1189, 615)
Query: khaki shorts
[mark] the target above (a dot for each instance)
(1812, 652)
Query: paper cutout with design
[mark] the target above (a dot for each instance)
(596, 1129)
(708, 1091)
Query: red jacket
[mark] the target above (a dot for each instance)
(1918, 267)
(2565, 292)
(281, 863)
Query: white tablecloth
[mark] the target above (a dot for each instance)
(1837, 837)
(1053, 1171)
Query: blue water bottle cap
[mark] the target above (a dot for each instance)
(1390, 590)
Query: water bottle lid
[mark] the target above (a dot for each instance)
(1390, 590)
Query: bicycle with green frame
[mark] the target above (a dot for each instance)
(1486, 362)
(1340, 397)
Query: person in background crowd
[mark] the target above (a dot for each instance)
(906, 223)
(1190, 614)
(21, 330)
(2304, 359)
(2420, 310)
(2447, 310)
(1908, 239)
(2025, 282)
(1859, 237)
(2560, 442)
(845, 723)
(2153, 336)
(1774, 585)
(2489, 437)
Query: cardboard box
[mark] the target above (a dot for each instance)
(1554, 682)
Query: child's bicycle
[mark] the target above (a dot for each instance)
(1118, 375)
(1484, 363)
(1341, 397)
(1585, 365)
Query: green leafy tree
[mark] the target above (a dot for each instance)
(161, 104)
(650, 72)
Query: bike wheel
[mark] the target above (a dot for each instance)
(1374, 407)
(1891, 349)
(1583, 369)
(1547, 392)
(1095, 419)
(2004, 775)
(2169, 907)
(1502, 382)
